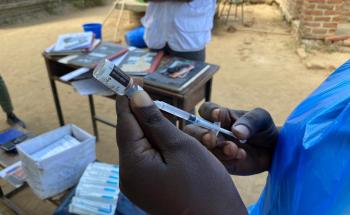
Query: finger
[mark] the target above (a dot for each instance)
(206, 111)
(253, 122)
(241, 131)
(228, 117)
(206, 137)
(216, 113)
(231, 151)
(242, 154)
(159, 131)
(129, 132)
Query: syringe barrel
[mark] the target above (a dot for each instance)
(215, 128)
(206, 124)
(173, 110)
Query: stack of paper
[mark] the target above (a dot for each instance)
(97, 191)
(55, 161)
(55, 148)
(73, 43)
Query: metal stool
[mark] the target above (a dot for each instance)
(230, 3)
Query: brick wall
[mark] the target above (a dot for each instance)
(295, 7)
(345, 16)
(320, 18)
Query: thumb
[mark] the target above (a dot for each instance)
(252, 123)
(129, 134)
(241, 131)
(159, 131)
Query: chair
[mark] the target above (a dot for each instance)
(230, 3)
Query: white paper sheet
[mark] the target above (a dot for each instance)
(91, 87)
(14, 174)
(74, 41)
(74, 74)
(10, 169)
(66, 60)
(55, 148)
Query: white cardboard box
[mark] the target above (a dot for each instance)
(55, 174)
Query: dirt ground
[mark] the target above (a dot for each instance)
(257, 69)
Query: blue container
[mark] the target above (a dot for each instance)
(96, 28)
(135, 37)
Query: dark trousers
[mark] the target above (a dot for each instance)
(5, 100)
(197, 55)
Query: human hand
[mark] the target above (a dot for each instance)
(256, 127)
(165, 171)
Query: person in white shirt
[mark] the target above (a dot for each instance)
(181, 28)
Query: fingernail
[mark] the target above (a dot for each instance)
(141, 99)
(241, 131)
(216, 113)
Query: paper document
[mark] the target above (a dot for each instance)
(74, 74)
(55, 148)
(91, 87)
(66, 60)
(74, 41)
(50, 48)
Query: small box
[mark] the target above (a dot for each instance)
(50, 176)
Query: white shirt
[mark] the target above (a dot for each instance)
(185, 27)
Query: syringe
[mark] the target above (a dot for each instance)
(115, 79)
(196, 120)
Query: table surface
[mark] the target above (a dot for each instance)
(187, 96)
(187, 99)
(208, 75)
(8, 158)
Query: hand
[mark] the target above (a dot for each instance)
(165, 171)
(256, 127)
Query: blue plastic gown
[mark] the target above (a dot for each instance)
(310, 173)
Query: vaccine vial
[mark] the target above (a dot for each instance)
(115, 79)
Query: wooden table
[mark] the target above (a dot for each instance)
(7, 159)
(187, 99)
